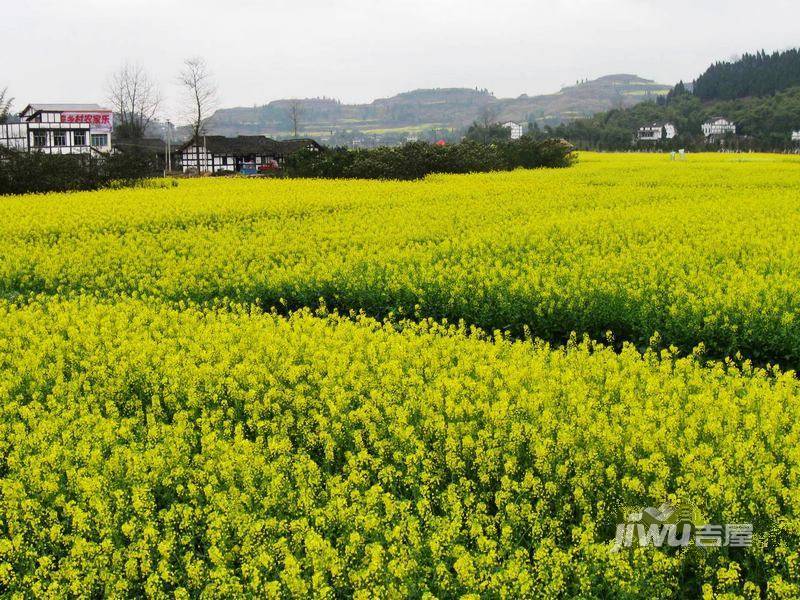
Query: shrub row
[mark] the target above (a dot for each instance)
(418, 159)
(37, 172)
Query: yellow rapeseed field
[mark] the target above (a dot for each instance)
(702, 250)
(289, 388)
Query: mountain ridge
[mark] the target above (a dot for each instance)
(432, 112)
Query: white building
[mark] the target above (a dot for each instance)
(718, 126)
(515, 128)
(245, 153)
(796, 136)
(656, 132)
(60, 129)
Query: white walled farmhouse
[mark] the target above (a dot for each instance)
(718, 126)
(245, 153)
(60, 129)
(656, 132)
(515, 128)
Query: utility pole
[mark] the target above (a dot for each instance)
(169, 146)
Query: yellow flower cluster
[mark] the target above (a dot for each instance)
(702, 250)
(162, 435)
(148, 450)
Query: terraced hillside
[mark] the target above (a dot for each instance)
(421, 112)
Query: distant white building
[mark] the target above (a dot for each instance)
(718, 126)
(60, 129)
(796, 136)
(656, 132)
(515, 128)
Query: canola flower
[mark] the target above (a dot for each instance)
(702, 250)
(149, 450)
(162, 436)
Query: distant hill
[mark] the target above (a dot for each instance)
(581, 100)
(428, 112)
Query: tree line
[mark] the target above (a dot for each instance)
(758, 74)
(418, 159)
(763, 122)
(37, 172)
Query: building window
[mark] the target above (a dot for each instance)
(100, 140)
(39, 139)
(59, 138)
(79, 138)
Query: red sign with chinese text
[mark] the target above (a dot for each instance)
(95, 120)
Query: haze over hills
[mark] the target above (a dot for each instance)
(432, 112)
(759, 93)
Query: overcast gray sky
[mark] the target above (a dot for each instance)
(358, 50)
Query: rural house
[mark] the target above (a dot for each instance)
(656, 132)
(515, 128)
(796, 136)
(718, 126)
(245, 153)
(60, 129)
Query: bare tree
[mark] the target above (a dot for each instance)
(201, 92)
(295, 112)
(201, 96)
(5, 105)
(135, 98)
(487, 116)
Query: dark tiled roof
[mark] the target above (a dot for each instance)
(150, 144)
(291, 146)
(63, 107)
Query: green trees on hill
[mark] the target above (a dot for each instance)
(760, 93)
(615, 129)
(764, 123)
(758, 74)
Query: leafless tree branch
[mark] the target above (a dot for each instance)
(200, 93)
(295, 112)
(135, 98)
